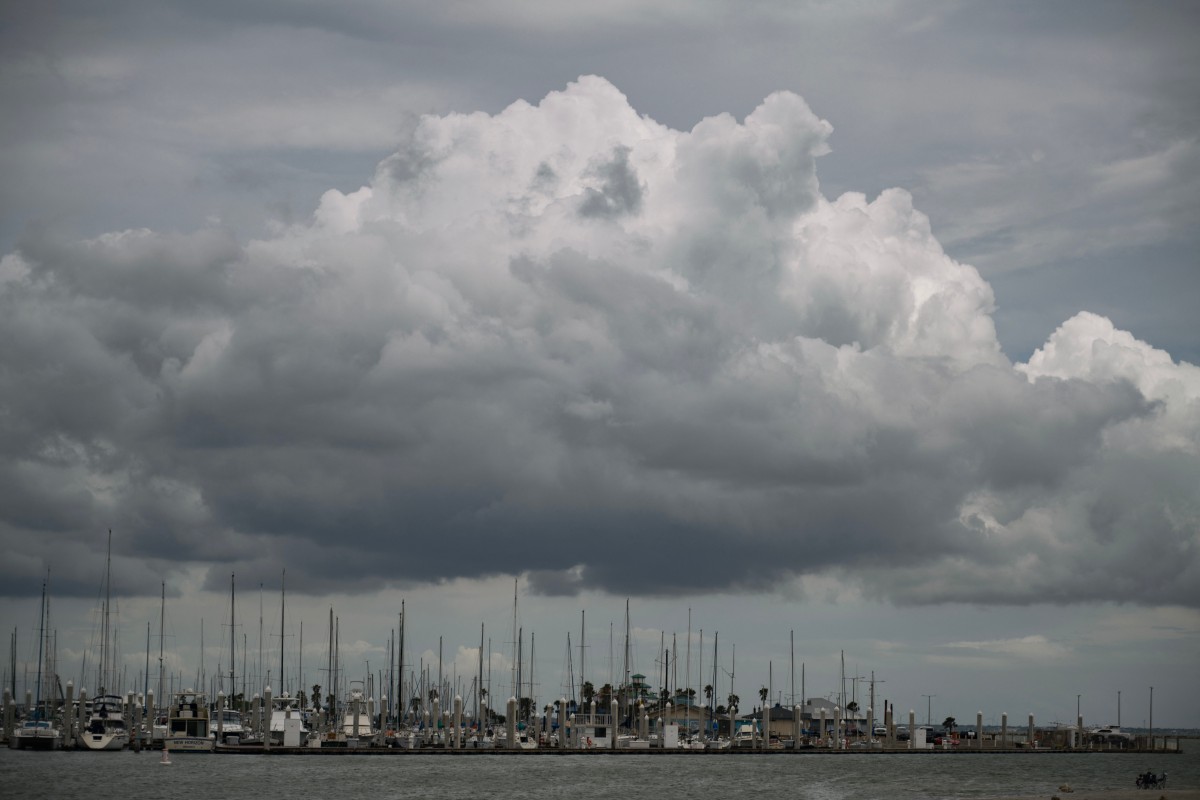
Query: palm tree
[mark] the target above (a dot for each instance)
(316, 695)
(588, 691)
(733, 701)
(708, 693)
(762, 695)
(950, 724)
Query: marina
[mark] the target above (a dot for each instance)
(431, 712)
(283, 726)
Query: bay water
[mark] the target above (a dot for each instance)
(808, 776)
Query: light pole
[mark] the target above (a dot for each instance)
(929, 708)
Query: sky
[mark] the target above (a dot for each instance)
(854, 331)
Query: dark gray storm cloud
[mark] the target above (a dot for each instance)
(569, 341)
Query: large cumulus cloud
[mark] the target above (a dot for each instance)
(569, 341)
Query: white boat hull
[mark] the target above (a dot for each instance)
(42, 739)
(108, 740)
(189, 744)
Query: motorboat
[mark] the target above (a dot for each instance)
(745, 737)
(288, 726)
(229, 727)
(188, 728)
(106, 728)
(356, 721)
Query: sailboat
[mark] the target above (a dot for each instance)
(37, 731)
(286, 725)
(158, 725)
(106, 724)
(228, 725)
(516, 735)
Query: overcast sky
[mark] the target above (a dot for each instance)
(871, 322)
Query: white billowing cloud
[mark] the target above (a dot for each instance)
(1089, 347)
(569, 341)
(1034, 648)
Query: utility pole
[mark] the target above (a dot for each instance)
(928, 708)
(873, 709)
(1151, 717)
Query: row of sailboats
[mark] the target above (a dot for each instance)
(193, 720)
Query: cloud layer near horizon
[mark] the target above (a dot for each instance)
(568, 341)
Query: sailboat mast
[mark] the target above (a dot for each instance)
(625, 680)
(162, 615)
(515, 686)
(570, 668)
(232, 646)
(479, 688)
(104, 654)
(400, 682)
(665, 665)
(37, 706)
(282, 606)
(716, 636)
(687, 678)
(674, 685)
(261, 663)
(12, 673)
(732, 670)
(329, 672)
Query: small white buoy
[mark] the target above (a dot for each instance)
(166, 759)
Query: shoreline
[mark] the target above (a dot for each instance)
(1109, 794)
(555, 751)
